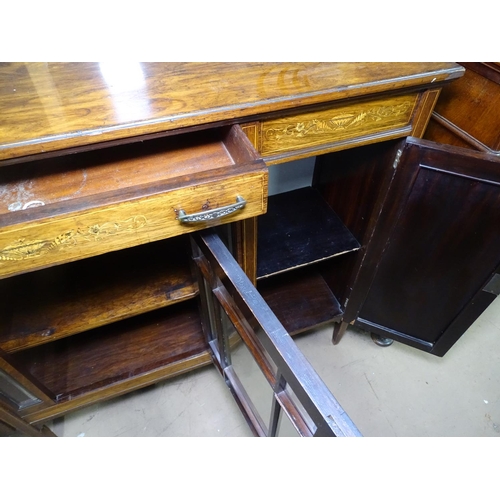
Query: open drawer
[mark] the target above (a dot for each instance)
(78, 206)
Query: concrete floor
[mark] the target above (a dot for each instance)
(387, 391)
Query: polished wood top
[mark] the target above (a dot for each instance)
(47, 107)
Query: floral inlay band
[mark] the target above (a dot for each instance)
(341, 121)
(26, 249)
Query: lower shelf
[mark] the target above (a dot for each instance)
(75, 366)
(57, 302)
(301, 300)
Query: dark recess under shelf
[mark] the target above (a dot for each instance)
(300, 299)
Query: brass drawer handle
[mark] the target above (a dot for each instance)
(214, 214)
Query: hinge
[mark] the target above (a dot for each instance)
(396, 160)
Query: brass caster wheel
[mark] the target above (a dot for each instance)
(381, 341)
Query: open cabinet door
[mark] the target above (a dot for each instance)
(244, 334)
(434, 266)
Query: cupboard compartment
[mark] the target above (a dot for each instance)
(57, 302)
(132, 352)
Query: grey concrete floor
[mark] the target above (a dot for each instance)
(387, 391)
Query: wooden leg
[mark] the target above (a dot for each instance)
(381, 341)
(338, 331)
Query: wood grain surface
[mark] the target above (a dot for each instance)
(117, 352)
(54, 303)
(52, 106)
(467, 112)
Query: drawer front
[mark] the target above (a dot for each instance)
(85, 233)
(335, 125)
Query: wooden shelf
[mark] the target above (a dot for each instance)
(298, 229)
(116, 353)
(53, 303)
(300, 299)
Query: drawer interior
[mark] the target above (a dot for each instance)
(117, 173)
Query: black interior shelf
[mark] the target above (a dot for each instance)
(299, 228)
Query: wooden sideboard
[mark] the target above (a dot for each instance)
(135, 215)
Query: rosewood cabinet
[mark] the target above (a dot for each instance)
(137, 240)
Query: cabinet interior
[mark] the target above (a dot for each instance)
(142, 303)
(123, 314)
(312, 239)
(60, 301)
(117, 352)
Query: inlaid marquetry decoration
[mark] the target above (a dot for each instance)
(28, 249)
(94, 231)
(251, 130)
(337, 124)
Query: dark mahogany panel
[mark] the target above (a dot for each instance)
(444, 245)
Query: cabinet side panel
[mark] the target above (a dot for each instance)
(354, 183)
(424, 111)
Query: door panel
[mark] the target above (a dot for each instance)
(443, 247)
(245, 337)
